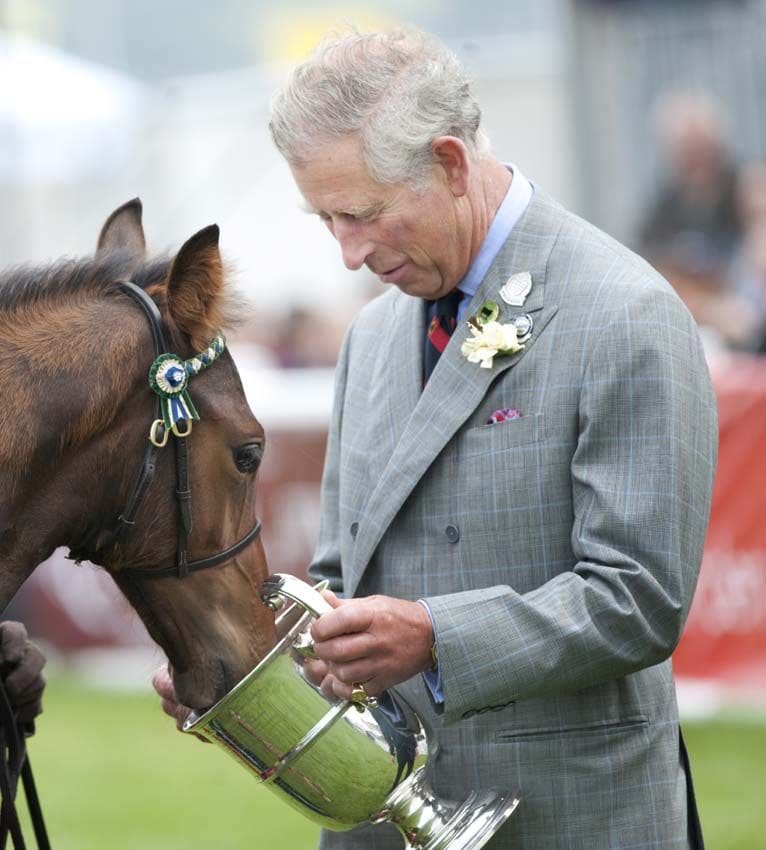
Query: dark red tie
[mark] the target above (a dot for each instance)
(442, 321)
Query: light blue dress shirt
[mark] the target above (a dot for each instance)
(509, 212)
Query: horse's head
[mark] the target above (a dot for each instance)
(89, 348)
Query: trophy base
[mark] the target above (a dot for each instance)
(430, 823)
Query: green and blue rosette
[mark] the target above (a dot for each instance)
(169, 378)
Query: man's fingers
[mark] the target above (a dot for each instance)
(332, 685)
(330, 597)
(334, 689)
(175, 710)
(163, 684)
(340, 690)
(346, 648)
(327, 686)
(179, 713)
(354, 673)
(315, 670)
(353, 615)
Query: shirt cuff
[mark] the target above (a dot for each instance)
(433, 678)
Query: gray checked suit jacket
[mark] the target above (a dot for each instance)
(558, 552)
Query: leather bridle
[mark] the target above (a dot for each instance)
(158, 438)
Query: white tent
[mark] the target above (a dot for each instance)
(62, 118)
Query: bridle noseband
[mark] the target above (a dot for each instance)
(173, 407)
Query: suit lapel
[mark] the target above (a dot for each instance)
(456, 387)
(405, 357)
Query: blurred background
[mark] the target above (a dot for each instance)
(647, 117)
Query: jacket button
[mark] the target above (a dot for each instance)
(453, 533)
(354, 529)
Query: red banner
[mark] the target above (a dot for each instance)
(725, 636)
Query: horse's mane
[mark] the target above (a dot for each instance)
(29, 286)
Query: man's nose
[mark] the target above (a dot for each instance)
(355, 247)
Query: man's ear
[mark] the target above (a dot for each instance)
(195, 287)
(123, 235)
(452, 155)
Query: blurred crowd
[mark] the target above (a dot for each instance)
(706, 228)
(303, 335)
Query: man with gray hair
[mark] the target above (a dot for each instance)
(519, 465)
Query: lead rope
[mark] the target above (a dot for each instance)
(15, 763)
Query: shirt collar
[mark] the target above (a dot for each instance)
(509, 212)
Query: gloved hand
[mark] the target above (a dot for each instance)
(21, 664)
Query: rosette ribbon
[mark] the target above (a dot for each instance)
(169, 378)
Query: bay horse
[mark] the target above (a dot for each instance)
(78, 468)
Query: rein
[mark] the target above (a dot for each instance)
(168, 377)
(14, 764)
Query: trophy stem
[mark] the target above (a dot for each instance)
(430, 823)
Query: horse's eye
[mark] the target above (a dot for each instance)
(248, 457)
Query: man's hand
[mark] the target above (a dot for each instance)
(163, 684)
(21, 665)
(377, 641)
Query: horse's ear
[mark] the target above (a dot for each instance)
(123, 233)
(195, 286)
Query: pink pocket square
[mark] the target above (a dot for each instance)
(504, 414)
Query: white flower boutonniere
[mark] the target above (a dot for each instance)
(490, 339)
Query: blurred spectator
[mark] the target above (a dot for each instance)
(693, 224)
(747, 274)
(306, 339)
(751, 194)
(694, 229)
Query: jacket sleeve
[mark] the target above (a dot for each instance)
(641, 482)
(326, 563)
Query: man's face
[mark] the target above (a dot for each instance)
(407, 238)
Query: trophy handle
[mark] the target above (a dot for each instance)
(281, 586)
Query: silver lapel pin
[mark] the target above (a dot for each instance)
(516, 289)
(524, 325)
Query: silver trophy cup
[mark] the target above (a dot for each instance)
(340, 764)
